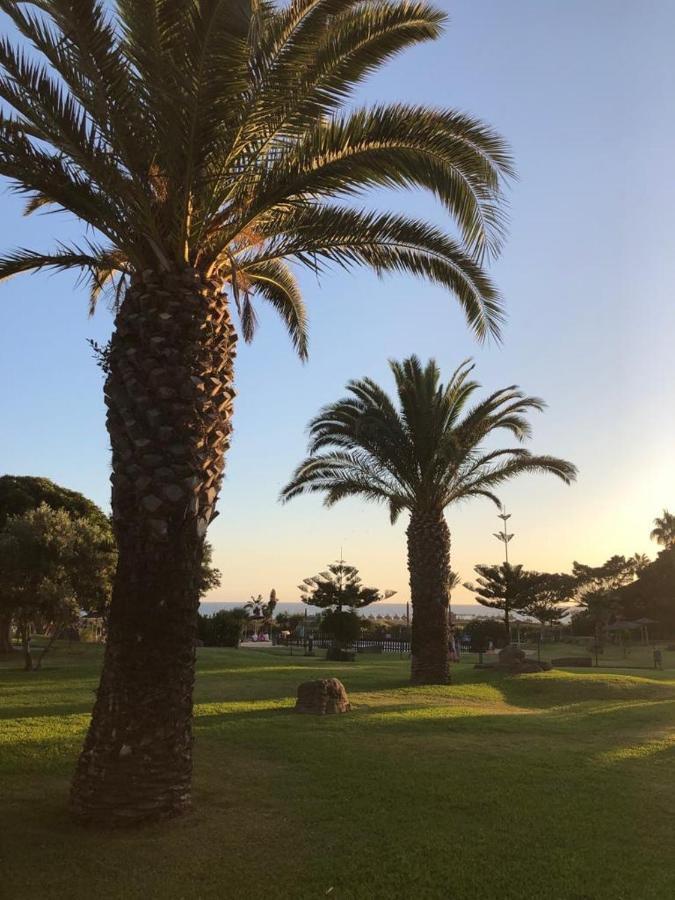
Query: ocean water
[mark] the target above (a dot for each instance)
(376, 609)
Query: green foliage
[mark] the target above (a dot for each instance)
(343, 627)
(21, 493)
(652, 595)
(52, 565)
(223, 628)
(424, 453)
(210, 576)
(289, 621)
(339, 586)
(257, 607)
(221, 135)
(483, 630)
(550, 591)
(507, 587)
(664, 530)
(598, 592)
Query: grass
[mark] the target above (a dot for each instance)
(556, 785)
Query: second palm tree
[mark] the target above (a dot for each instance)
(421, 454)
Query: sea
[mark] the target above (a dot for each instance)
(383, 609)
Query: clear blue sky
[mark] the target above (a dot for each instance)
(584, 93)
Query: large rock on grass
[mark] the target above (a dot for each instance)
(514, 661)
(322, 698)
(510, 656)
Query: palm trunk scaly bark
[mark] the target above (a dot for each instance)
(429, 568)
(169, 398)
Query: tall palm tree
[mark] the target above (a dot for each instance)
(664, 530)
(422, 455)
(204, 144)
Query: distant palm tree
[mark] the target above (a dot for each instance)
(421, 455)
(664, 531)
(203, 145)
(639, 562)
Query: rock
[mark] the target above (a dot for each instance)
(516, 662)
(527, 666)
(321, 698)
(510, 655)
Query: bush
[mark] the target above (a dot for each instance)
(342, 627)
(222, 629)
(483, 630)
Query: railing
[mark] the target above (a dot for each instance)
(365, 645)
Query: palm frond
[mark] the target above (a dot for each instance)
(415, 454)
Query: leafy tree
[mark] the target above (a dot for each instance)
(506, 587)
(339, 591)
(421, 455)
(52, 565)
(664, 530)
(289, 621)
(210, 576)
(338, 587)
(482, 630)
(223, 628)
(343, 626)
(203, 146)
(550, 592)
(652, 595)
(20, 494)
(598, 591)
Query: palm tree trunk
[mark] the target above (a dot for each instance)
(6, 634)
(429, 569)
(169, 399)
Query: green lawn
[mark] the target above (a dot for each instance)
(551, 786)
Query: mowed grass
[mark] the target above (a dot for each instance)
(557, 785)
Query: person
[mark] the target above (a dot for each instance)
(658, 659)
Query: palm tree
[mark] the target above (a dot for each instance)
(422, 455)
(664, 530)
(204, 145)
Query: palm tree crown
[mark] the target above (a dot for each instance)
(664, 530)
(212, 134)
(425, 454)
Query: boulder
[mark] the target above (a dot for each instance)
(516, 662)
(321, 698)
(510, 655)
(525, 666)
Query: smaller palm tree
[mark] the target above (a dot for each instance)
(421, 455)
(664, 530)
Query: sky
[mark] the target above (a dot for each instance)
(583, 92)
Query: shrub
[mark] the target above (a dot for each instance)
(485, 629)
(222, 629)
(342, 627)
